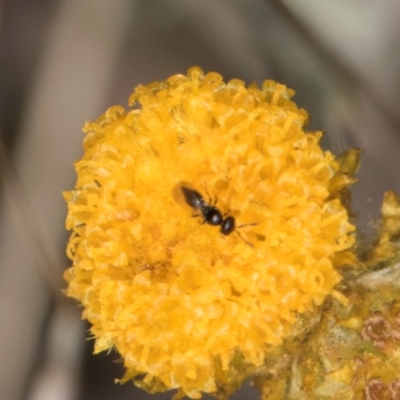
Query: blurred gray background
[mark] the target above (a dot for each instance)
(65, 61)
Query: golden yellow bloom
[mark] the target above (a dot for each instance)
(184, 305)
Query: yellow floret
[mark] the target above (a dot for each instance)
(183, 304)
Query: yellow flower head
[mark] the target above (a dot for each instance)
(184, 304)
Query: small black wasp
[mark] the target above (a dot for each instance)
(210, 213)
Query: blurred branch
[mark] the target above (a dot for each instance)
(28, 226)
(337, 65)
(74, 74)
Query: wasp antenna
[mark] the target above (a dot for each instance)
(252, 224)
(246, 241)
